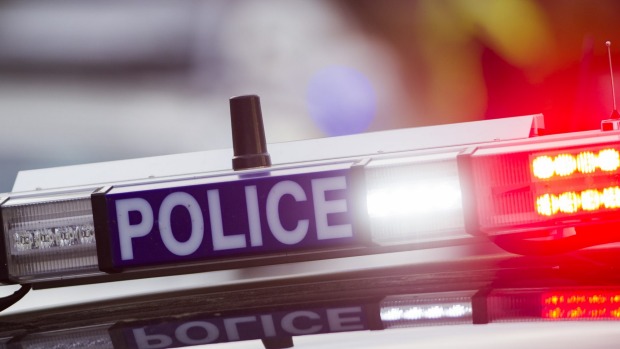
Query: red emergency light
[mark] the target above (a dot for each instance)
(548, 183)
(580, 305)
(552, 304)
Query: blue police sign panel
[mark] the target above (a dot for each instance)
(166, 224)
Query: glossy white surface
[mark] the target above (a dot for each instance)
(282, 153)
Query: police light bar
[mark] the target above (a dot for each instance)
(305, 210)
(356, 203)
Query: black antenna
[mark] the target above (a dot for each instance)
(248, 133)
(614, 113)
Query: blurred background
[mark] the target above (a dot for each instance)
(93, 81)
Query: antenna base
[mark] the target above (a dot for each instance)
(610, 125)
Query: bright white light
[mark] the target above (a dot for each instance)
(414, 199)
(430, 312)
(422, 198)
(433, 312)
(457, 310)
(391, 314)
(414, 313)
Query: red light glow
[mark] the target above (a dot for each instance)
(545, 167)
(586, 162)
(581, 305)
(574, 202)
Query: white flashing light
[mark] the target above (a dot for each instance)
(414, 198)
(414, 313)
(391, 314)
(426, 312)
(48, 236)
(416, 310)
(424, 198)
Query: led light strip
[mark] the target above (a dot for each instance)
(551, 304)
(403, 200)
(419, 310)
(573, 202)
(432, 311)
(414, 198)
(54, 236)
(580, 305)
(545, 166)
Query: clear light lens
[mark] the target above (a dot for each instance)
(49, 236)
(93, 337)
(414, 199)
(417, 310)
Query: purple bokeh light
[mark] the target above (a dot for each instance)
(341, 100)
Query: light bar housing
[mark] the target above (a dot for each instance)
(545, 183)
(400, 200)
(55, 239)
(48, 236)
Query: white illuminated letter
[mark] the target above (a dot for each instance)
(269, 328)
(322, 208)
(211, 330)
(251, 198)
(221, 241)
(231, 326)
(289, 237)
(288, 322)
(151, 341)
(339, 320)
(128, 231)
(165, 229)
